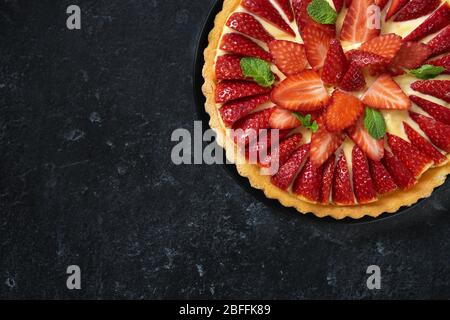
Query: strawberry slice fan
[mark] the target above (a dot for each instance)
(361, 102)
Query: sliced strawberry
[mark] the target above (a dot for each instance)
(338, 5)
(247, 24)
(327, 180)
(303, 92)
(236, 110)
(233, 90)
(410, 56)
(382, 180)
(324, 144)
(362, 181)
(363, 59)
(435, 22)
(284, 150)
(356, 26)
(435, 110)
(436, 88)
(417, 8)
(309, 182)
(438, 132)
(381, 3)
(395, 7)
(265, 10)
(335, 64)
(259, 149)
(303, 19)
(286, 173)
(285, 5)
(290, 57)
(424, 146)
(248, 127)
(283, 119)
(241, 45)
(385, 93)
(354, 79)
(342, 186)
(398, 171)
(228, 67)
(440, 43)
(343, 111)
(386, 45)
(348, 3)
(317, 43)
(442, 62)
(412, 158)
(372, 147)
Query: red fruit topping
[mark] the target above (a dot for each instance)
(398, 171)
(338, 4)
(385, 93)
(386, 45)
(290, 57)
(251, 125)
(247, 24)
(381, 3)
(381, 178)
(342, 187)
(436, 88)
(303, 92)
(354, 79)
(265, 10)
(228, 67)
(424, 145)
(395, 7)
(343, 111)
(241, 45)
(303, 19)
(363, 59)
(283, 119)
(284, 150)
(440, 43)
(236, 110)
(442, 62)
(317, 43)
(357, 26)
(285, 5)
(437, 21)
(412, 158)
(438, 132)
(372, 147)
(435, 110)
(335, 64)
(286, 174)
(232, 90)
(362, 181)
(417, 8)
(327, 180)
(410, 56)
(324, 144)
(309, 182)
(258, 149)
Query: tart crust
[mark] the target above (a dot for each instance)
(391, 203)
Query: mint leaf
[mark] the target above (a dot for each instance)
(306, 122)
(427, 71)
(258, 70)
(374, 123)
(321, 12)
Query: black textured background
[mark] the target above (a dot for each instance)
(86, 177)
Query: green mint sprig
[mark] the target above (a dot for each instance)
(427, 72)
(258, 70)
(321, 12)
(374, 123)
(306, 122)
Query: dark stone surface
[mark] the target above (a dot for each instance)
(86, 177)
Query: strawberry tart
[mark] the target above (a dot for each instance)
(358, 89)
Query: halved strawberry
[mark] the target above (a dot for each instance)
(348, 3)
(395, 7)
(303, 19)
(286, 173)
(356, 26)
(381, 3)
(290, 57)
(412, 158)
(285, 5)
(233, 90)
(241, 45)
(385, 93)
(338, 4)
(327, 180)
(435, 22)
(410, 56)
(248, 127)
(442, 62)
(283, 119)
(382, 180)
(353, 79)
(309, 182)
(362, 181)
(303, 92)
(398, 171)
(342, 186)
(436, 88)
(236, 110)
(363, 59)
(438, 132)
(424, 145)
(259, 149)
(435, 110)
(317, 43)
(247, 24)
(324, 144)
(343, 111)
(440, 43)
(265, 10)
(417, 8)
(228, 67)
(386, 45)
(372, 147)
(284, 150)
(335, 64)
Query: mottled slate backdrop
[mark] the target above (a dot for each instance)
(86, 177)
